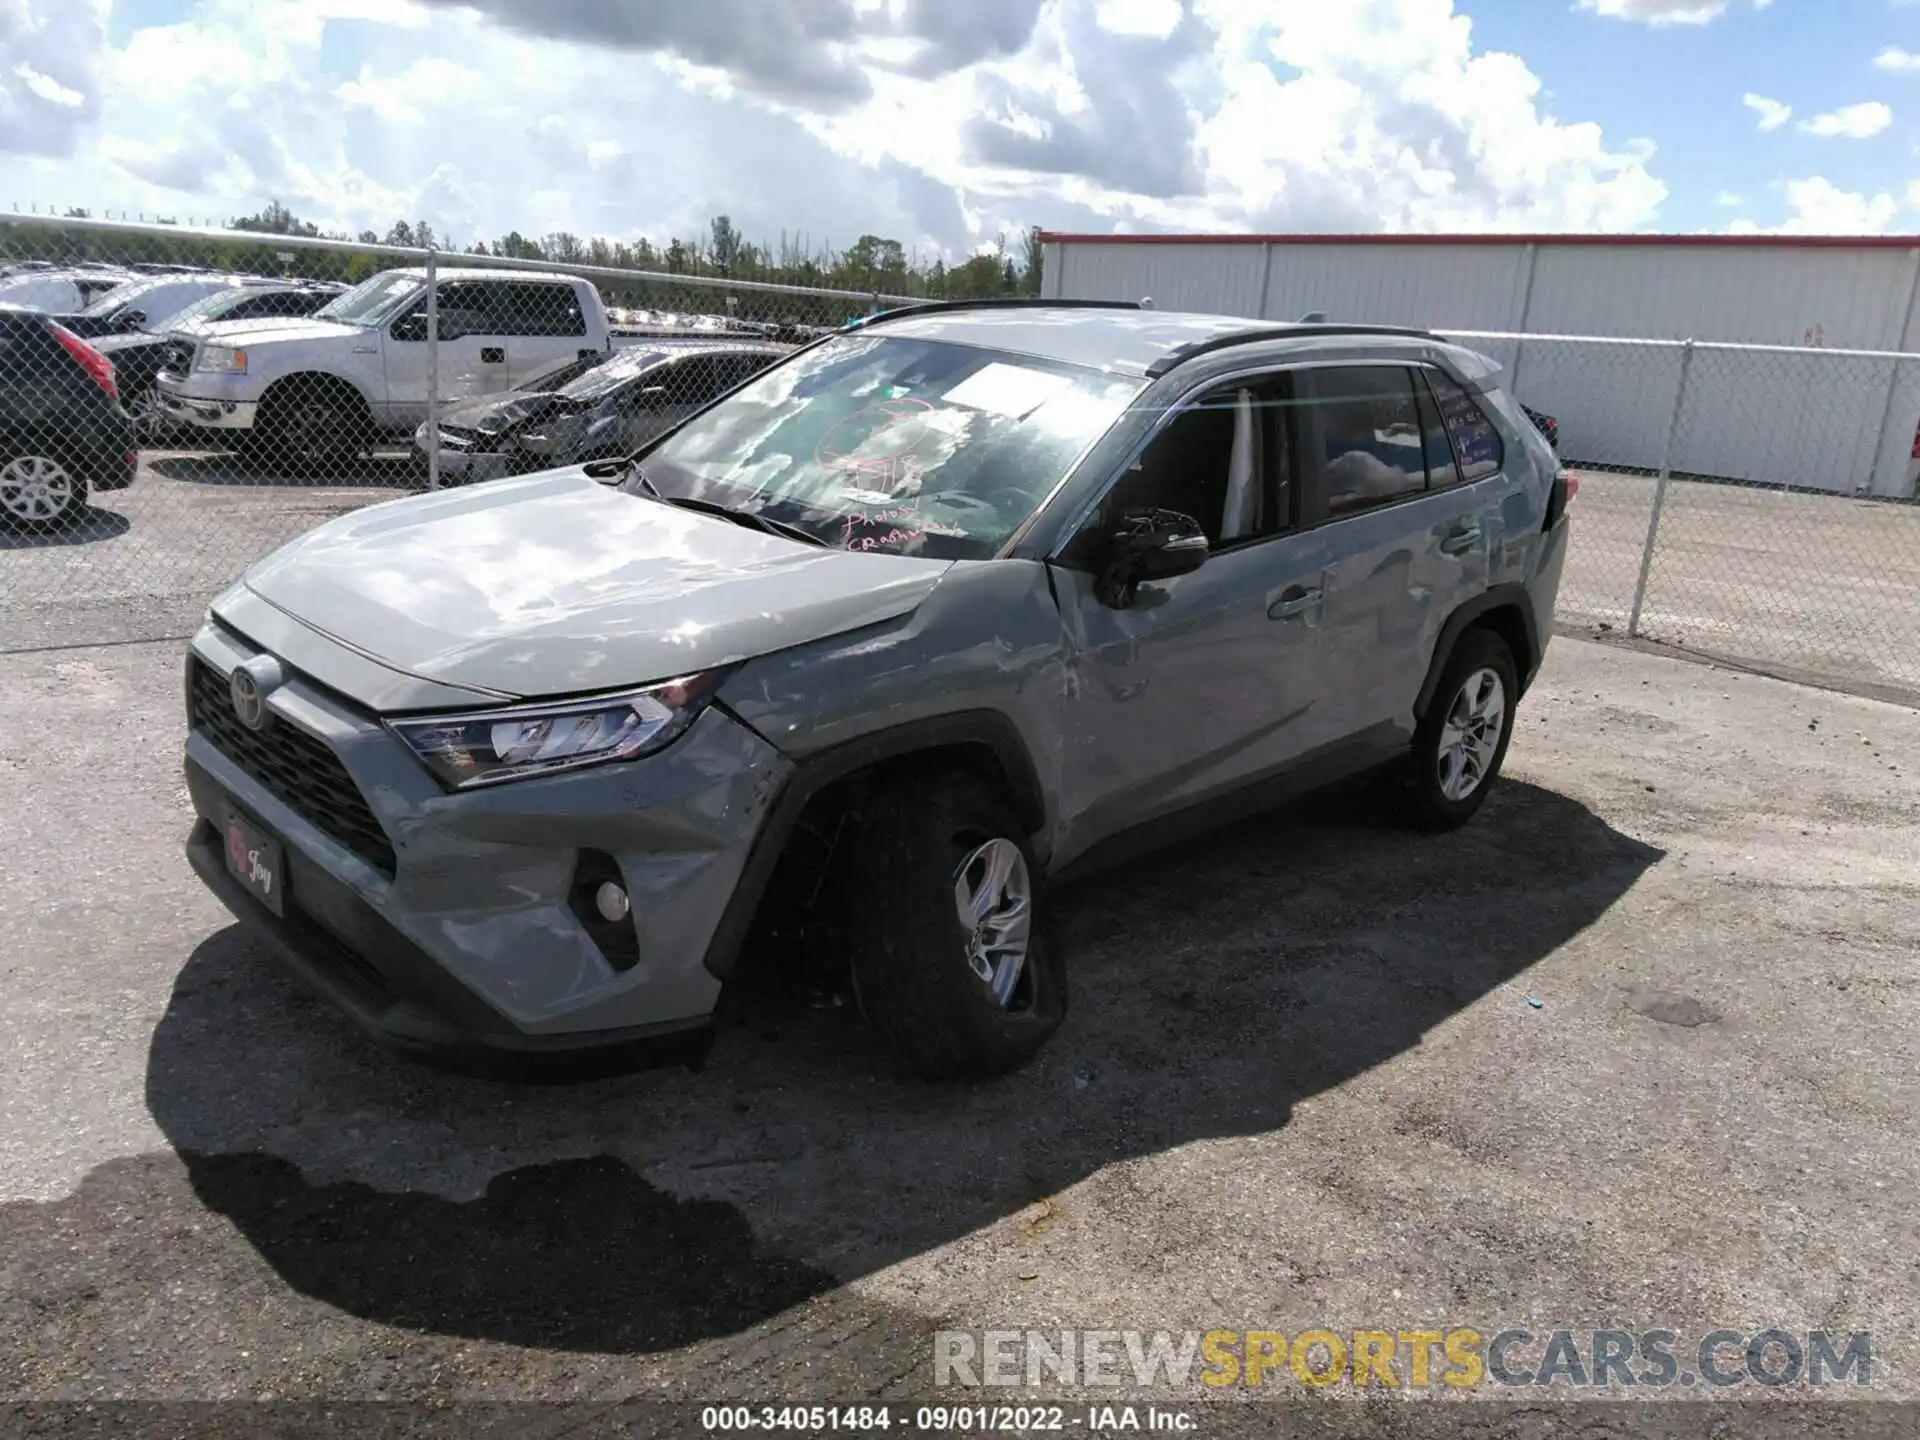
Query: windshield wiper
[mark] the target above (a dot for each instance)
(739, 517)
(606, 470)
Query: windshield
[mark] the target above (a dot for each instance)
(372, 302)
(609, 375)
(911, 447)
(208, 306)
(118, 296)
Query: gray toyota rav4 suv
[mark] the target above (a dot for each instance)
(949, 602)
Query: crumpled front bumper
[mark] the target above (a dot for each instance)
(467, 939)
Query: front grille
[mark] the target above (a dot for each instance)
(292, 766)
(179, 357)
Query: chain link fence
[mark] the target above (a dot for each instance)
(166, 421)
(1751, 503)
(175, 403)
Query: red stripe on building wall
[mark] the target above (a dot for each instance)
(1737, 242)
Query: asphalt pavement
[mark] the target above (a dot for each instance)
(1635, 1048)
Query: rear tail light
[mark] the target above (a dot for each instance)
(1566, 485)
(91, 360)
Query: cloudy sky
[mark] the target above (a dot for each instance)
(940, 122)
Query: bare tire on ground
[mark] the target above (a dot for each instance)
(1462, 739)
(952, 961)
(40, 492)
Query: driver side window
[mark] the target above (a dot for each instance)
(1222, 460)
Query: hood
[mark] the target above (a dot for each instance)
(271, 328)
(127, 340)
(495, 414)
(556, 584)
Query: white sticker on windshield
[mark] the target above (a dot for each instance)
(1010, 390)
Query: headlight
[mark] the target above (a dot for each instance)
(221, 360)
(491, 746)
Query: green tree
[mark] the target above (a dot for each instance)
(276, 219)
(979, 277)
(726, 244)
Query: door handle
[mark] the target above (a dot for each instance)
(1460, 540)
(1294, 601)
(493, 355)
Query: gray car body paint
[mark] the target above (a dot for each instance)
(557, 585)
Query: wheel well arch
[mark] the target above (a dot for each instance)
(317, 382)
(1504, 611)
(830, 785)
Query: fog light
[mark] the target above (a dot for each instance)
(611, 901)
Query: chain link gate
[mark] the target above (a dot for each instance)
(1750, 503)
(166, 422)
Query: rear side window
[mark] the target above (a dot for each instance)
(1368, 423)
(529, 308)
(1442, 469)
(1475, 440)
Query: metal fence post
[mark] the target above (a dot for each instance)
(433, 369)
(1660, 489)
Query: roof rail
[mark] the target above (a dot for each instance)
(998, 302)
(1181, 354)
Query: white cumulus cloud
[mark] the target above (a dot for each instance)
(1772, 113)
(1664, 12)
(1851, 122)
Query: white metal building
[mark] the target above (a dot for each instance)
(1827, 409)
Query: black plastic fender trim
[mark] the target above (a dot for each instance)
(814, 773)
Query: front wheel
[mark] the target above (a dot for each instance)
(951, 958)
(1462, 740)
(310, 429)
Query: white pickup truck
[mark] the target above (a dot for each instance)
(313, 392)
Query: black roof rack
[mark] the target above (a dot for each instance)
(997, 302)
(1181, 354)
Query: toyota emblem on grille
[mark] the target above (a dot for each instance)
(248, 687)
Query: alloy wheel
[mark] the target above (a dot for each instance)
(993, 898)
(1470, 739)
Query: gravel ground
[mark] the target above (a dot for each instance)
(1812, 587)
(1636, 1049)
(142, 563)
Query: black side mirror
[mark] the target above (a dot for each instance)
(130, 320)
(651, 398)
(1149, 545)
(411, 328)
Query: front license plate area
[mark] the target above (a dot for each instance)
(255, 859)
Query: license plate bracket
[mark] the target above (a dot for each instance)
(257, 861)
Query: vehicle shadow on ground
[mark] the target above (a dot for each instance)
(85, 528)
(397, 470)
(1215, 989)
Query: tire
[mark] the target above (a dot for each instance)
(310, 425)
(913, 961)
(41, 492)
(1457, 751)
